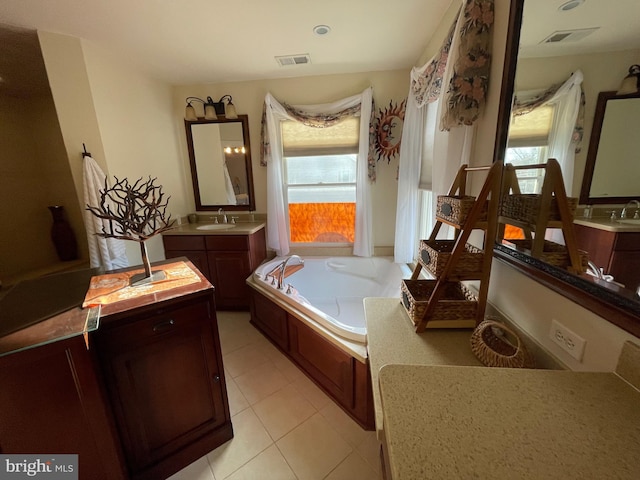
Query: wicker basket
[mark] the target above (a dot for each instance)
(496, 345)
(456, 304)
(455, 209)
(526, 207)
(434, 255)
(552, 253)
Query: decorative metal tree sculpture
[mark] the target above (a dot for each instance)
(134, 212)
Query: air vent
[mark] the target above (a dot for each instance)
(300, 59)
(569, 35)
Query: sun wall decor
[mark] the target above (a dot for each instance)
(388, 130)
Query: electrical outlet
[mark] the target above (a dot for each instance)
(569, 341)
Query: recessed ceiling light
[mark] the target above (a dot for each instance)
(570, 5)
(321, 29)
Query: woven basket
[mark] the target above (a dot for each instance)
(496, 345)
(455, 209)
(526, 207)
(434, 255)
(457, 302)
(552, 253)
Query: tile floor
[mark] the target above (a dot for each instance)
(285, 427)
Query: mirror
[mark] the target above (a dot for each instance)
(609, 176)
(220, 158)
(620, 306)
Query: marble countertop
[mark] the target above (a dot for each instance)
(605, 223)
(240, 228)
(465, 422)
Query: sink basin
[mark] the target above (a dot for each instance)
(630, 221)
(216, 226)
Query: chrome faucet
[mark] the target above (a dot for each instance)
(224, 215)
(624, 210)
(283, 267)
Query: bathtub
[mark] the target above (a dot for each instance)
(330, 290)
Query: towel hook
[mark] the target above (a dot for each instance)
(84, 152)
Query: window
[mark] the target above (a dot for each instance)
(528, 145)
(320, 181)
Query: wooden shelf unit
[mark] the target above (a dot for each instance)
(535, 228)
(477, 219)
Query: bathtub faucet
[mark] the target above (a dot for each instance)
(283, 267)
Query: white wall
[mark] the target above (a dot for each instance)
(248, 97)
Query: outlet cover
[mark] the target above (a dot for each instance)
(569, 341)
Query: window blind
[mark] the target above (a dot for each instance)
(299, 140)
(531, 129)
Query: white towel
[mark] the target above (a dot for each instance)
(107, 252)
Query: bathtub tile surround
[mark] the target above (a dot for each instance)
(282, 435)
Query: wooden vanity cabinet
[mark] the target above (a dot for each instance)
(616, 252)
(52, 402)
(227, 261)
(190, 246)
(163, 371)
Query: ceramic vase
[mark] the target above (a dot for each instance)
(62, 235)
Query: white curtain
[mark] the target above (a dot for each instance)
(430, 156)
(109, 253)
(275, 113)
(561, 141)
(408, 179)
(228, 185)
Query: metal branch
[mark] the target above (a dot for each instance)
(133, 212)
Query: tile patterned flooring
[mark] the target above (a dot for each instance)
(285, 427)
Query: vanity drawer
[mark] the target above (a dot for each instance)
(227, 242)
(157, 323)
(183, 242)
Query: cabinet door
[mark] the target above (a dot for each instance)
(229, 272)
(51, 402)
(166, 386)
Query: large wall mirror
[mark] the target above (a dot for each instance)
(531, 24)
(220, 158)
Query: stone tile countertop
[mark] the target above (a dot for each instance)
(442, 414)
(240, 228)
(605, 223)
(391, 338)
(499, 423)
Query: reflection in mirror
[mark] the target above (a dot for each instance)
(220, 158)
(620, 306)
(610, 176)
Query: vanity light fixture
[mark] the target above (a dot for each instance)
(211, 109)
(631, 83)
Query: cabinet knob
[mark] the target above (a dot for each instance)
(158, 327)
(216, 378)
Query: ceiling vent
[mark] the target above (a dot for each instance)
(569, 35)
(287, 60)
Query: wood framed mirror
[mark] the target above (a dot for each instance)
(220, 159)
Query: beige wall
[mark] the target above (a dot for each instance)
(248, 98)
(138, 131)
(34, 173)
